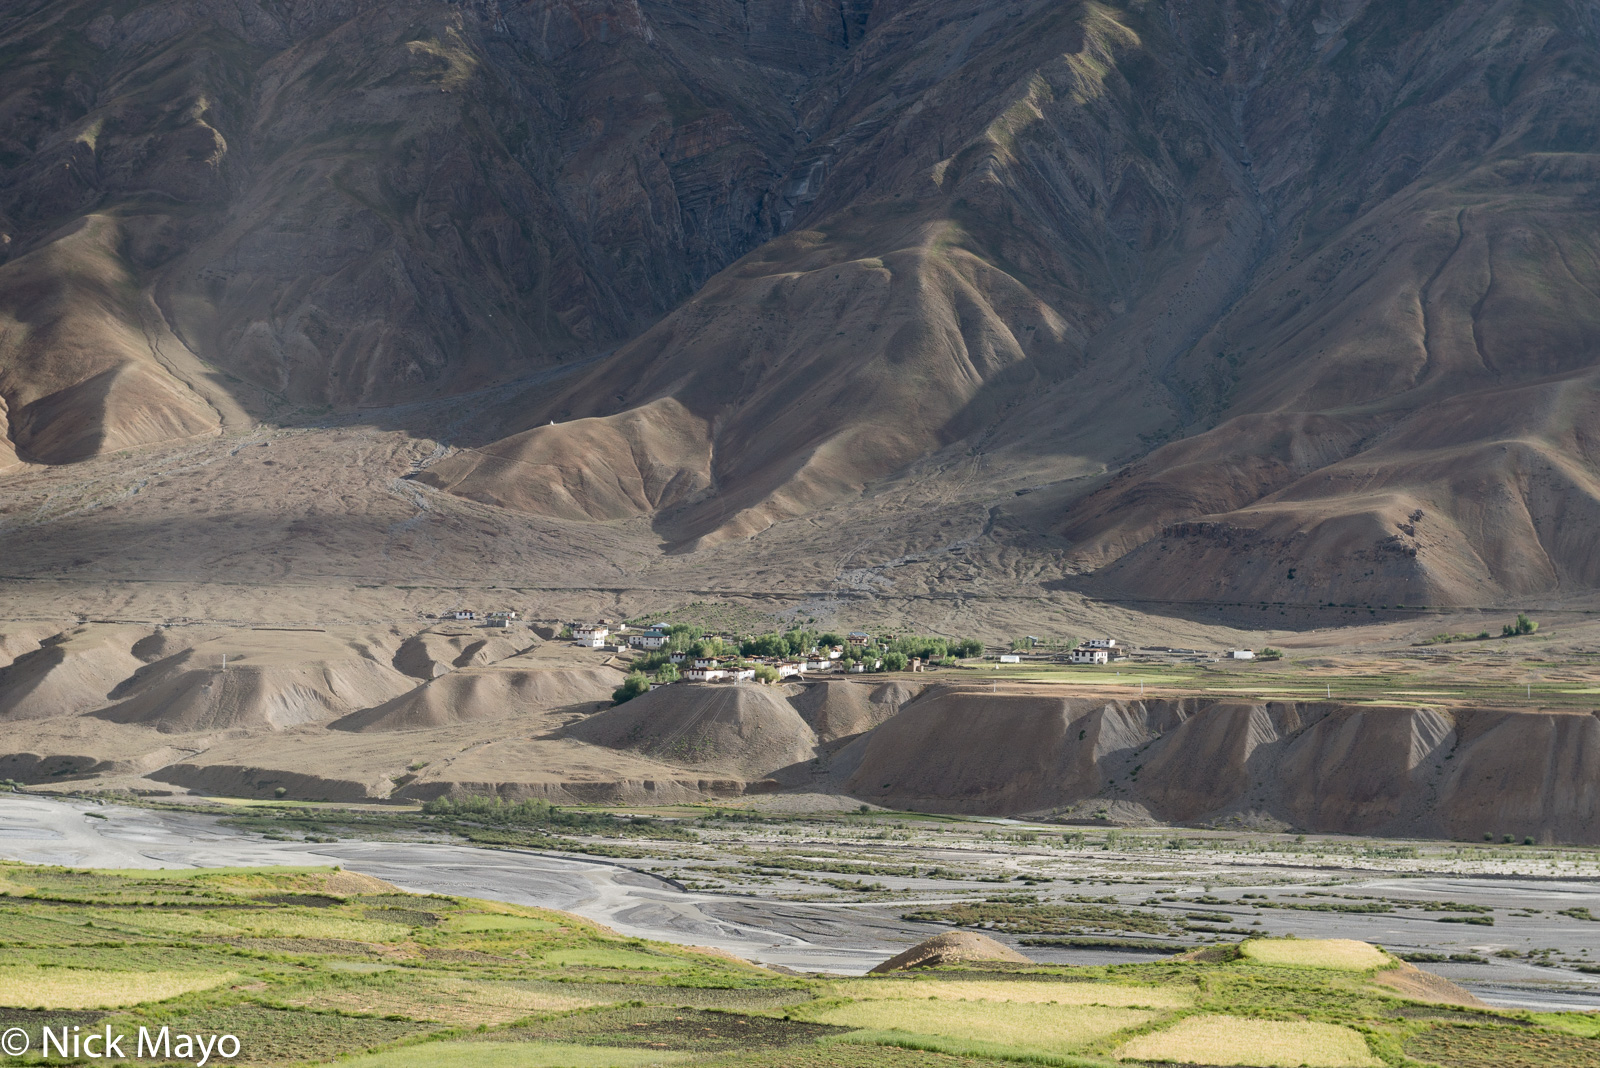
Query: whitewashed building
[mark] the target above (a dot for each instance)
(1085, 654)
(649, 638)
(591, 635)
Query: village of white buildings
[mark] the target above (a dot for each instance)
(660, 653)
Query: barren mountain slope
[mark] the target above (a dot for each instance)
(995, 186)
(1198, 301)
(1345, 252)
(354, 202)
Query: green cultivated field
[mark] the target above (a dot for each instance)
(1493, 681)
(310, 966)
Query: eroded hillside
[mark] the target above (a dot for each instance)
(415, 713)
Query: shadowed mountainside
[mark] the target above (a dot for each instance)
(1292, 302)
(353, 203)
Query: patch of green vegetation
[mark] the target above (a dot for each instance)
(659, 1027)
(1445, 639)
(482, 922)
(270, 1034)
(1518, 627)
(1582, 1024)
(1442, 958)
(1149, 945)
(1468, 1046)
(983, 1028)
(513, 1055)
(1326, 906)
(630, 959)
(315, 964)
(528, 824)
(1027, 918)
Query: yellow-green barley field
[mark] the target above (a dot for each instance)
(43, 987)
(1114, 995)
(1342, 953)
(1055, 1028)
(1234, 1040)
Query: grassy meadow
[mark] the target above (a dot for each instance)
(314, 966)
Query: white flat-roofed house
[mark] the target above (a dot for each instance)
(462, 614)
(706, 674)
(815, 665)
(789, 667)
(1243, 654)
(591, 635)
(1084, 654)
(1101, 643)
(707, 661)
(741, 674)
(645, 639)
(858, 638)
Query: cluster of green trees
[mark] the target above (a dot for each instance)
(894, 653)
(527, 813)
(1056, 645)
(635, 684)
(1523, 625)
(935, 648)
(464, 813)
(796, 642)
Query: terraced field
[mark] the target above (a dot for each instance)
(307, 965)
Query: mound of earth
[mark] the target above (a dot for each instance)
(616, 467)
(68, 673)
(1419, 985)
(840, 708)
(284, 680)
(18, 639)
(749, 730)
(483, 694)
(952, 947)
(431, 654)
